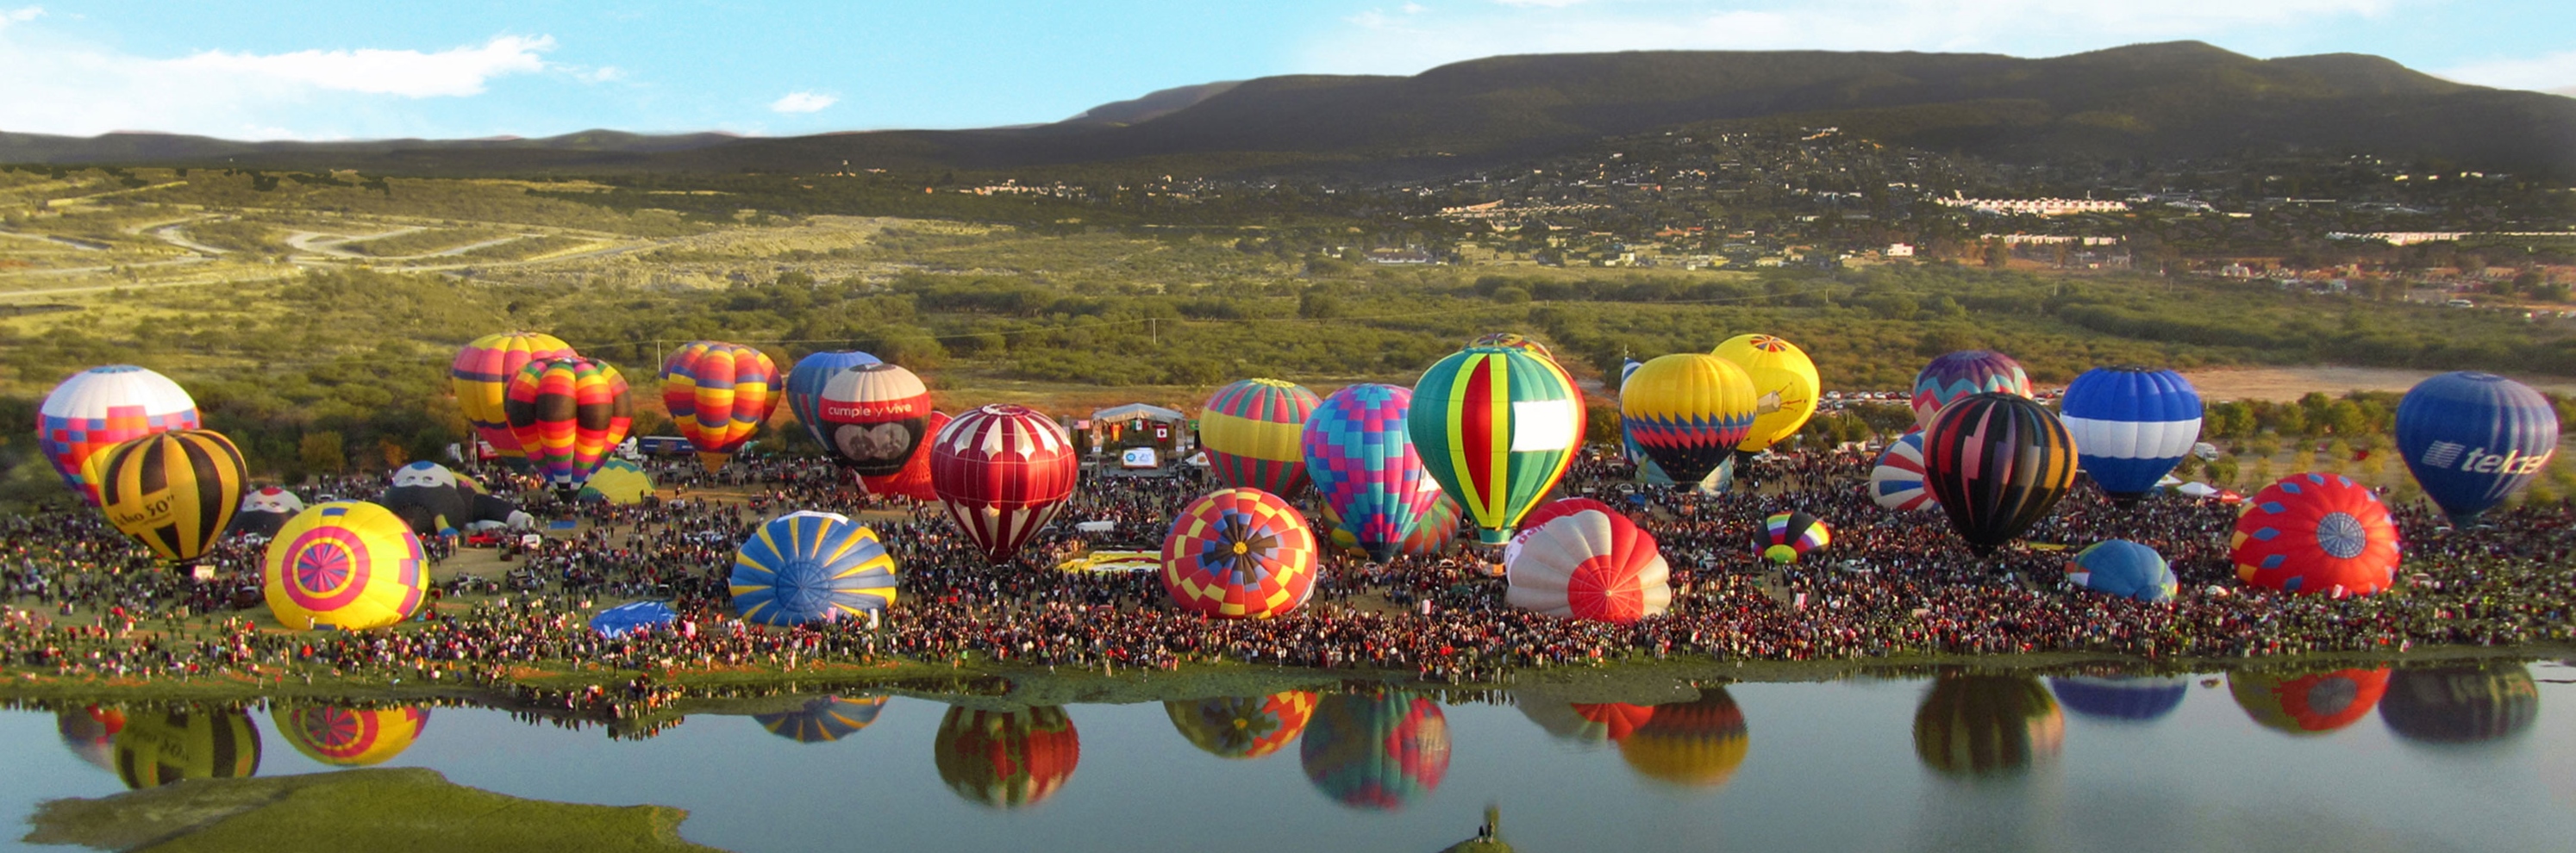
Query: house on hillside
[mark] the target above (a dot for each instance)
(1407, 256)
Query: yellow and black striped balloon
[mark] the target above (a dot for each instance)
(160, 748)
(173, 491)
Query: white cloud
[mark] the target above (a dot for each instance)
(1382, 43)
(2555, 73)
(16, 16)
(802, 102)
(602, 74)
(59, 85)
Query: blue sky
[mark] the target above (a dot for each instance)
(469, 68)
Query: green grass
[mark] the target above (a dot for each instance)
(395, 809)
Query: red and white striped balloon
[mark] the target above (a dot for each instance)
(1581, 559)
(1002, 471)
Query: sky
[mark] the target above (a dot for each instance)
(294, 69)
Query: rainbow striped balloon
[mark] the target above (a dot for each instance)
(1496, 427)
(1361, 458)
(1252, 433)
(1962, 373)
(481, 377)
(568, 413)
(719, 394)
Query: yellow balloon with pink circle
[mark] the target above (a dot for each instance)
(350, 565)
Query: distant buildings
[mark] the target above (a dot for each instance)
(2038, 206)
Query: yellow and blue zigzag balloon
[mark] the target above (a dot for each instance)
(806, 567)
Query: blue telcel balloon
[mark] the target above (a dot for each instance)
(2474, 439)
(806, 567)
(2123, 568)
(2120, 698)
(2131, 425)
(805, 384)
(633, 617)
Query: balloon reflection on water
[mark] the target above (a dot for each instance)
(91, 733)
(824, 720)
(2313, 703)
(2120, 698)
(1375, 751)
(1243, 726)
(1006, 759)
(350, 737)
(2460, 704)
(156, 749)
(1984, 725)
(1697, 743)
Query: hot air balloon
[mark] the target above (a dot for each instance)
(1002, 471)
(1496, 428)
(1437, 532)
(808, 567)
(348, 564)
(617, 482)
(1360, 457)
(634, 617)
(2308, 704)
(2315, 533)
(1375, 751)
(173, 491)
(719, 394)
(567, 414)
(1253, 431)
(2131, 425)
(1962, 373)
(2120, 699)
(1589, 562)
(157, 749)
(1589, 723)
(428, 497)
(1997, 463)
(101, 407)
(1689, 411)
(1696, 744)
(350, 737)
(2123, 568)
(265, 510)
(914, 480)
(1896, 482)
(90, 732)
(481, 374)
(1243, 726)
(805, 384)
(1785, 386)
(1239, 553)
(1788, 536)
(873, 418)
(1981, 725)
(1513, 340)
(1006, 760)
(824, 720)
(2461, 704)
(2474, 439)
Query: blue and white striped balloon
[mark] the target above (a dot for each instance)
(2131, 425)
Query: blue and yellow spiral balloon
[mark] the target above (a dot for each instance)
(806, 567)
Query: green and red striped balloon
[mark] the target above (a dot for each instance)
(1496, 427)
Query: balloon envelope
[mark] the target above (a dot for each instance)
(101, 407)
(1496, 428)
(2473, 439)
(874, 418)
(1241, 554)
(2131, 425)
(1379, 751)
(481, 374)
(2123, 568)
(1785, 386)
(2316, 533)
(1788, 536)
(1688, 411)
(1513, 340)
(1997, 463)
(1694, 744)
(429, 498)
(1006, 759)
(156, 749)
(633, 617)
(1587, 561)
(618, 482)
(1001, 472)
(913, 481)
(1963, 373)
(173, 491)
(805, 384)
(1896, 482)
(568, 413)
(1253, 430)
(349, 564)
(1361, 458)
(807, 567)
(1243, 726)
(719, 395)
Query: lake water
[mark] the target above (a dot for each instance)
(2358, 760)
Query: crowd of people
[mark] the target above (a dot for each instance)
(77, 600)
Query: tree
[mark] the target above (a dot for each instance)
(322, 453)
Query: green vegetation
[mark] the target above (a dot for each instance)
(378, 809)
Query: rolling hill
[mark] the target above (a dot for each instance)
(2156, 102)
